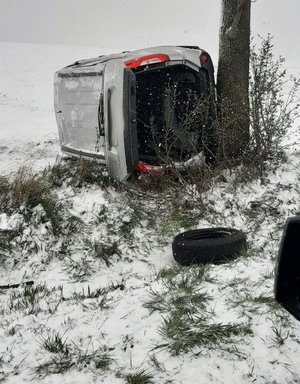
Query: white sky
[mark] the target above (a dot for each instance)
(127, 24)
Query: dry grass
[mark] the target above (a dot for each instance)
(29, 189)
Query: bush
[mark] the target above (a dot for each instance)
(273, 108)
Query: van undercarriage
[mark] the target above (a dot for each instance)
(172, 110)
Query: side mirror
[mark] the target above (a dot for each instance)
(287, 277)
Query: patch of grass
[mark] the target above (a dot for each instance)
(63, 251)
(184, 283)
(182, 213)
(186, 278)
(30, 190)
(264, 304)
(241, 255)
(137, 211)
(74, 224)
(56, 365)
(101, 215)
(28, 299)
(184, 333)
(61, 171)
(245, 253)
(55, 343)
(27, 188)
(104, 251)
(89, 293)
(6, 236)
(53, 212)
(269, 306)
(184, 218)
(177, 301)
(84, 171)
(79, 270)
(169, 273)
(93, 173)
(264, 301)
(181, 290)
(139, 377)
(115, 286)
(77, 172)
(126, 228)
(195, 273)
(236, 282)
(4, 194)
(267, 300)
(100, 295)
(157, 365)
(280, 336)
(4, 185)
(187, 326)
(76, 358)
(101, 303)
(157, 183)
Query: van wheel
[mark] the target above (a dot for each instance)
(208, 245)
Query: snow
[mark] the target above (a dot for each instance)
(126, 328)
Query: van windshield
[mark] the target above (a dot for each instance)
(172, 109)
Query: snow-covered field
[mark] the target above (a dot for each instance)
(109, 304)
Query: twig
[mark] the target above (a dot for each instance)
(8, 286)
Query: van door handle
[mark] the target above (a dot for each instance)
(109, 127)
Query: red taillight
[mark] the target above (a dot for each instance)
(141, 168)
(203, 58)
(147, 60)
(156, 170)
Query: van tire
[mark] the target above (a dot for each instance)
(208, 245)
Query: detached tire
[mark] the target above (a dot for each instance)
(208, 245)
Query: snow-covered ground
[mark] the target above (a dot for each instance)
(118, 320)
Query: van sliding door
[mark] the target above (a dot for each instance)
(120, 119)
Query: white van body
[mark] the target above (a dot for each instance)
(96, 106)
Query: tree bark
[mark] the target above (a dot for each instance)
(233, 79)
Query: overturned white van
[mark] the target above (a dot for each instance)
(106, 107)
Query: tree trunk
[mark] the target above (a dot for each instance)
(233, 79)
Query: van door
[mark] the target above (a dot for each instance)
(120, 119)
(77, 105)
